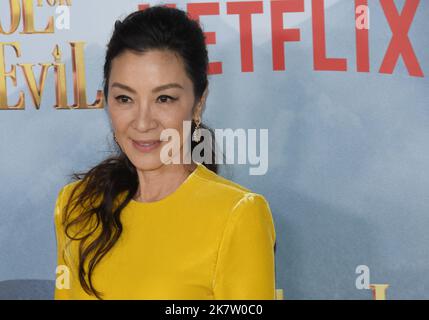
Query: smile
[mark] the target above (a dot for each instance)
(146, 146)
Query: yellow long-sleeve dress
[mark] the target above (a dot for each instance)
(209, 239)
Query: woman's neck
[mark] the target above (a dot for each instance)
(157, 184)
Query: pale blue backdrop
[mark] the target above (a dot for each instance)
(348, 174)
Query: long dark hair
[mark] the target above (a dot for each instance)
(157, 27)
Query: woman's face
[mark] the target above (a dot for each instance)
(141, 105)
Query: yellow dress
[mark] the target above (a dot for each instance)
(209, 239)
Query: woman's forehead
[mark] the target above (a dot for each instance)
(151, 60)
(150, 69)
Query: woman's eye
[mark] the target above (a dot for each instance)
(164, 99)
(122, 99)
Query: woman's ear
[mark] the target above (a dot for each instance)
(201, 104)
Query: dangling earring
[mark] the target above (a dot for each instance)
(196, 136)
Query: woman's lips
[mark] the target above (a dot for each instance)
(146, 145)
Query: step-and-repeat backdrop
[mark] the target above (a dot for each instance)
(338, 89)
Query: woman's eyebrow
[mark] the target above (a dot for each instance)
(157, 89)
(123, 86)
(167, 86)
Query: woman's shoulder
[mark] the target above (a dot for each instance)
(64, 194)
(242, 205)
(224, 188)
(66, 189)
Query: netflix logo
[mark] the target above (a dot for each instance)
(399, 21)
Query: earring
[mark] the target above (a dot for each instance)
(196, 136)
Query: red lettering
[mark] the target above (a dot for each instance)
(400, 43)
(362, 35)
(195, 10)
(321, 62)
(245, 11)
(400, 23)
(280, 35)
(145, 6)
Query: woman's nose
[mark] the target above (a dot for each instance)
(144, 120)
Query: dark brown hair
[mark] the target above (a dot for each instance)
(98, 223)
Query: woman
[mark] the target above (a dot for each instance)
(137, 227)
